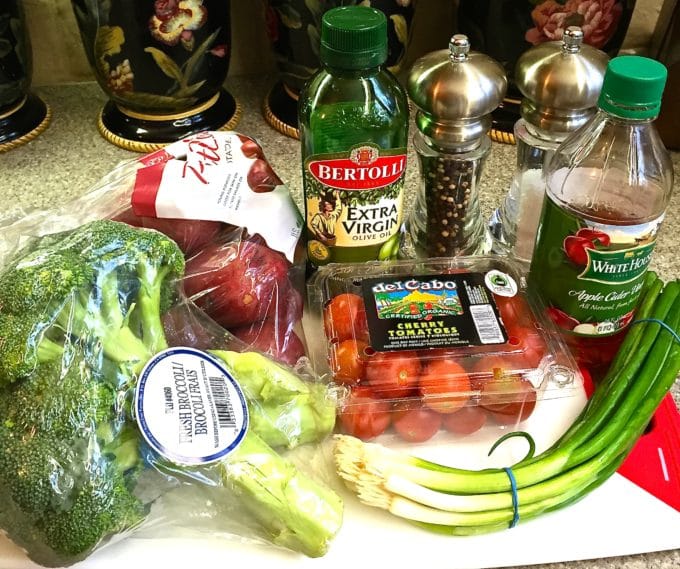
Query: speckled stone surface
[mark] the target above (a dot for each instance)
(71, 156)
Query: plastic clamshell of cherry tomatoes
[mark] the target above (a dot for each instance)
(435, 349)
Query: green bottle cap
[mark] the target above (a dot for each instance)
(632, 87)
(353, 37)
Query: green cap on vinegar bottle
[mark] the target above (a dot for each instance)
(353, 37)
(632, 87)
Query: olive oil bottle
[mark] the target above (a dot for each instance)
(353, 117)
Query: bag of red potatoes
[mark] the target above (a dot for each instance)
(215, 194)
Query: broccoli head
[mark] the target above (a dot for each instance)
(69, 463)
(105, 283)
(80, 315)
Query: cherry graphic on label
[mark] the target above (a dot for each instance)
(593, 235)
(575, 249)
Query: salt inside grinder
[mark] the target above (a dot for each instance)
(454, 91)
(560, 82)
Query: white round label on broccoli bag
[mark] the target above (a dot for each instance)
(500, 283)
(189, 408)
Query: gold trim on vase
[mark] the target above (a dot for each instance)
(275, 122)
(170, 117)
(501, 136)
(15, 108)
(7, 146)
(146, 147)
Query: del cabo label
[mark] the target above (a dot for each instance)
(589, 273)
(354, 204)
(431, 311)
(189, 408)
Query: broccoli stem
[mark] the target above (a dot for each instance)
(152, 279)
(98, 313)
(48, 350)
(294, 510)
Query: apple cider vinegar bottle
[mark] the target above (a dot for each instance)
(608, 186)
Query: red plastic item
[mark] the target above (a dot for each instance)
(654, 462)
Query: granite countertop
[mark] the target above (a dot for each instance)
(70, 156)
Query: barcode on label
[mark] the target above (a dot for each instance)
(223, 407)
(167, 394)
(486, 323)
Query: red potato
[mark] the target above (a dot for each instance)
(237, 283)
(274, 338)
(191, 235)
(261, 177)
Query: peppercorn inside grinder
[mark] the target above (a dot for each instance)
(561, 82)
(454, 91)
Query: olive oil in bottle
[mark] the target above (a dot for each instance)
(353, 117)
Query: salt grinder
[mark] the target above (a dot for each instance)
(560, 82)
(454, 91)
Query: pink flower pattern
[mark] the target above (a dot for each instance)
(175, 20)
(597, 18)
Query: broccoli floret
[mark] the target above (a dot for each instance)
(106, 283)
(80, 315)
(24, 345)
(69, 463)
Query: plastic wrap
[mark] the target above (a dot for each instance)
(117, 391)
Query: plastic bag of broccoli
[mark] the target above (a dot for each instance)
(117, 391)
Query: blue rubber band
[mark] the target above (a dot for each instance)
(515, 497)
(663, 325)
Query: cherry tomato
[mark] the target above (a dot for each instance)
(364, 416)
(467, 420)
(393, 375)
(414, 422)
(347, 361)
(509, 398)
(444, 385)
(345, 318)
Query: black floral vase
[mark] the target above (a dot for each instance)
(23, 115)
(505, 29)
(162, 65)
(293, 27)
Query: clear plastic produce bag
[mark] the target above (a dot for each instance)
(117, 390)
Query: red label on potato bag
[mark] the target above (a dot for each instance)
(363, 170)
(219, 176)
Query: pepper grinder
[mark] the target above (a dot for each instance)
(560, 82)
(454, 91)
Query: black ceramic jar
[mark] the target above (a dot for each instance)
(162, 65)
(23, 115)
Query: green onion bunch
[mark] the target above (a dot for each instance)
(456, 501)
